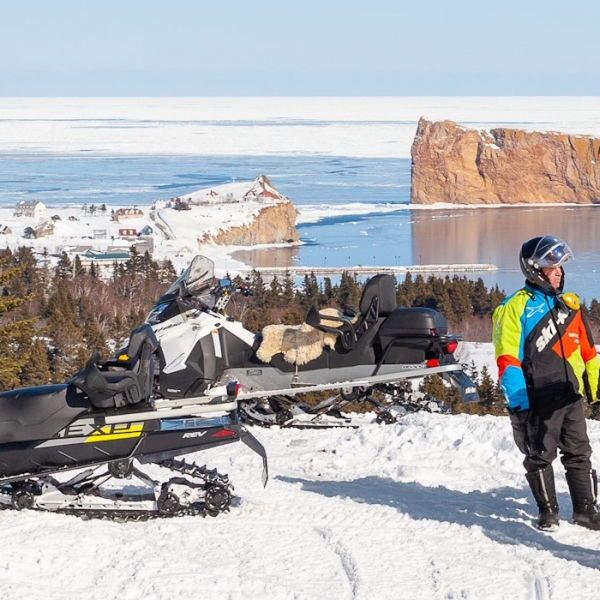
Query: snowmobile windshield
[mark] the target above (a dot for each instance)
(196, 279)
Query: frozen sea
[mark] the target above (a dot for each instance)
(344, 162)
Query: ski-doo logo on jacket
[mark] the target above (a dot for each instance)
(550, 331)
(539, 344)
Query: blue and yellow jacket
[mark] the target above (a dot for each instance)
(542, 346)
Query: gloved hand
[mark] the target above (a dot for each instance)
(520, 421)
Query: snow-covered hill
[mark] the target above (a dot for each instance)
(432, 507)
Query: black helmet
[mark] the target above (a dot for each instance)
(541, 252)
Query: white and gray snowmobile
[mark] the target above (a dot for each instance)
(202, 350)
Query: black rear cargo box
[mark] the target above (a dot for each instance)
(407, 333)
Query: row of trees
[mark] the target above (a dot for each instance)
(52, 318)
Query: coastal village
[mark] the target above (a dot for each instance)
(236, 214)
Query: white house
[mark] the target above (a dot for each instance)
(31, 208)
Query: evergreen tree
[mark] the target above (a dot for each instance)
(166, 272)
(259, 290)
(328, 292)
(94, 339)
(134, 266)
(36, 371)
(65, 334)
(275, 292)
(460, 301)
(119, 330)
(288, 291)
(480, 299)
(78, 268)
(490, 395)
(348, 292)
(496, 296)
(16, 332)
(420, 291)
(405, 294)
(64, 268)
(310, 292)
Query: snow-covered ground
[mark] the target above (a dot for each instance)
(375, 126)
(432, 507)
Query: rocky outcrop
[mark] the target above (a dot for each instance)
(240, 213)
(273, 224)
(457, 165)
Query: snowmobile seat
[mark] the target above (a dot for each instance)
(344, 330)
(378, 300)
(125, 380)
(38, 413)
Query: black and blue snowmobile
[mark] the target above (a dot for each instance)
(61, 444)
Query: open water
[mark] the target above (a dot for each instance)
(391, 234)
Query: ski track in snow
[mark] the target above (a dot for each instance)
(434, 506)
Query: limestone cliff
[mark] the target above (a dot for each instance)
(274, 224)
(454, 164)
(244, 214)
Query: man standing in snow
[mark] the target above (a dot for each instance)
(547, 363)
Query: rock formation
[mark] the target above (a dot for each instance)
(273, 224)
(503, 166)
(239, 214)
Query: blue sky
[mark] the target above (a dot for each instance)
(291, 47)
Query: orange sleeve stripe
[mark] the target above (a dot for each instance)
(588, 350)
(506, 360)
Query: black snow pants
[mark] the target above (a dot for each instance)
(557, 423)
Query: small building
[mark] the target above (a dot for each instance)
(103, 261)
(5, 230)
(147, 230)
(99, 234)
(45, 229)
(122, 214)
(30, 208)
(125, 233)
(143, 245)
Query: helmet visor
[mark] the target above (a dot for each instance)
(552, 255)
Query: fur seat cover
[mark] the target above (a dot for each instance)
(299, 344)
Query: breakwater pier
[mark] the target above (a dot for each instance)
(365, 270)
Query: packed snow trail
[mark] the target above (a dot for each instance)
(435, 506)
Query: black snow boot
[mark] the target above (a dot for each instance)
(541, 483)
(583, 487)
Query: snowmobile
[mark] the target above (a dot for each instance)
(376, 350)
(63, 445)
